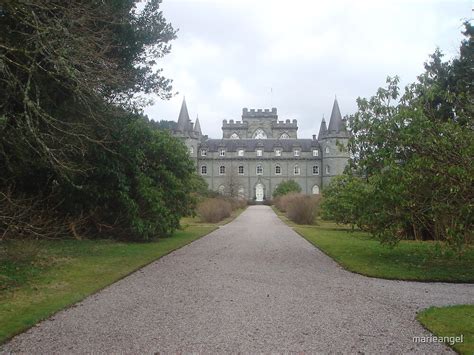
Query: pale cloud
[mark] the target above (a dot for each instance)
(230, 89)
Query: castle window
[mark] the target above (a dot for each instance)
(204, 170)
(203, 152)
(234, 136)
(284, 136)
(222, 152)
(315, 152)
(222, 170)
(241, 170)
(259, 170)
(259, 134)
(315, 170)
(296, 170)
(278, 170)
(328, 170)
(222, 189)
(278, 152)
(191, 150)
(240, 152)
(326, 150)
(259, 152)
(296, 152)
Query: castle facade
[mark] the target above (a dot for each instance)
(257, 153)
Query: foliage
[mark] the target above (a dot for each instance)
(411, 172)
(451, 321)
(282, 202)
(213, 210)
(286, 187)
(143, 188)
(303, 209)
(163, 125)
(75, 154)
(346, 200)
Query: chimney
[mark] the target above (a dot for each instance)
(314, 137)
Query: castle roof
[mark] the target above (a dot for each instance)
(184, 123)
(197, 126)
(268, 145)
(323, 129)
(335, 123)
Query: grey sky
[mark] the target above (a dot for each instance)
(230, 54)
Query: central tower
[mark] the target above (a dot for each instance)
(259, 124)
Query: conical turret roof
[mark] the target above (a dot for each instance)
(322, 129)
(197, 126)
(183, 118)
(335, 123)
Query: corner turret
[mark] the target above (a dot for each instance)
(184, 123)
(333, 142)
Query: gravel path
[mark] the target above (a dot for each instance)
(253, 285)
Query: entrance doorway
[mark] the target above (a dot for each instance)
(259, 193)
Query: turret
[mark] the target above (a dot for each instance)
(189, 133)
(333, 142)
(322, 129)
(197, 127)
(336, 123)
(184, 123)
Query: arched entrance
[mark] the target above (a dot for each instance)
(259, 192)
(315, 190)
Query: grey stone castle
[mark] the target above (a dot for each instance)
(259, 152)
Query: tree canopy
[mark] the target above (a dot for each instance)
(285, 187)
(411, 173)
(75, 152)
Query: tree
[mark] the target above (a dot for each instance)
(286, 187)
(414, 151)
(347, 200)
(75, 154)
(62, 65)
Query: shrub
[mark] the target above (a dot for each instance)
(285, 187)
(303, 209)
(282, 202)
(213, 210)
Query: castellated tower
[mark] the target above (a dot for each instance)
(334, 157)
(189, 133)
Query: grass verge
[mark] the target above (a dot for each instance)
(452, 321)
(43, 277)
(409, 260)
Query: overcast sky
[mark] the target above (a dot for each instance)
(297, 55)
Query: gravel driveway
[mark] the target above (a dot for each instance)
(253, 285)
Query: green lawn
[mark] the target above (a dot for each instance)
(409, 260)
(38, 278)
(451, 321)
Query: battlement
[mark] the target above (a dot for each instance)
(285, 124)
(259, 113)
(234, 124)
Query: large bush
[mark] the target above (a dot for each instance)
(282, 202)
(213, 210)
(303, 209)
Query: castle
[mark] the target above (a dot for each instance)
(259, 152)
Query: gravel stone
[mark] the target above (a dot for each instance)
(253, 285)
